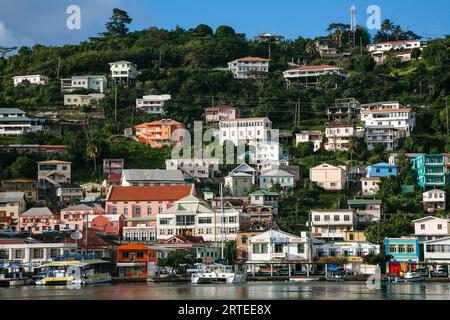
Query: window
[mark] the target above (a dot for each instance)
(336, 217)
(164, 221)
(278, 248)
(327, 218)
(346, 217)
(125, 254)
(439, 226)
(140, 254)
(316, 218)
(410, 248)
(38, 254)
(149, 210)
(259, 248)
(114, 210)
(392, 249)
(204, 220)
(401, 249)
(137, 211)
(301, 248)
(422, 227)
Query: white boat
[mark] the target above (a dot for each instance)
(303, 279)
(412, 277)
(75, 272)
(217, 273)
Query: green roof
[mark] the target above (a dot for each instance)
(264, 193)
(363, 201)
(141, 219)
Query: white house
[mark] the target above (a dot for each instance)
(245, 130)
(386, 135)
(197, 168)
(401, 49)
(89, 82)
(245, 168)
(222, 112)
(310, 75)
(277, 246)
(369, 185)
(263, 37)
(239, 184)
(32, 254)
(332, 223)
(270, 178)
(36, 79)
(352, 250)
(389, 114)
(248, 67)
(82, 100)
(430, 228)
(14, 121)
(192, 216)
(152, 103)
(437, 250)
(338, 135)
(263, 151)
(434, 200)
(123, 71)
(316, 137)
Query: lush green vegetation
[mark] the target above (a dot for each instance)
(186, 64)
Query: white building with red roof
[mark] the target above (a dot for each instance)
(309, 75)
(248, 67)
(222, 112)
(401, 49)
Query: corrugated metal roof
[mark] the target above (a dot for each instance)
(152, 175)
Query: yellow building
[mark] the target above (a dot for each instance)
(354, 236)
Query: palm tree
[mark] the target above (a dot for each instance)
(387, 27)
(92, 151)
(337, 37)
(353, 146)
(397, 32)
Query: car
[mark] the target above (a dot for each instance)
(422, 272)
(49, 231)
(10, 233)
(66, 230)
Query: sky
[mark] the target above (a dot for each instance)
(28, 22)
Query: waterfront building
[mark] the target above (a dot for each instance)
(430, 228)
(248, 67)
(136, 261)
(434, 200)
(219, 113)
(153, 104)
(329, 177)
(381, 169)
(192, 216)
(141, 205)
(15, 122)
(404, 249)
(30, 254)
(276, 246)
(248, 230)
(437, 250)
(316, 137)
(352, 251)
(332, 223)
(152, 177)
(430, 170)
(161, 133)
(36, 79)
(88, 82)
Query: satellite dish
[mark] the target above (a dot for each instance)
(77, 235)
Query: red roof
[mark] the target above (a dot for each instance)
(114, 177)
(252, 59)
(308, 68)
(150, 193)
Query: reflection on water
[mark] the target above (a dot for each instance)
(250, 290)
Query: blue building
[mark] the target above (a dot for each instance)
(381, 169)
(403, 249)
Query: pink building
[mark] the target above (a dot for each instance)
(36, 220)
(75, 217)
(140, 205)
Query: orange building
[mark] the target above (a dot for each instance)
(160, 133)
(135, 261)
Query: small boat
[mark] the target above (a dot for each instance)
(217, 273)
(75, 272)
(412, 277)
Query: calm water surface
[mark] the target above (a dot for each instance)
(250, 290)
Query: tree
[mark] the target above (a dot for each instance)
(177, 260)
(23, 167)
(117, 25)
(416, 53)
(386, 27)
(203, 30)
(224, 31)
(395, 226)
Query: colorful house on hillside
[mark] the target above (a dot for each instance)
(381, 169)
(430, 170)
(158, 134)
(107, 224)
(136, 261)
(367, 209)
(404, 251)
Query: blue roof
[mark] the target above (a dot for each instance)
(382, 164)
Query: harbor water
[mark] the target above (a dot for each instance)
(250, 290)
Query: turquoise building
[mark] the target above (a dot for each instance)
(403, 249)
(430, 170)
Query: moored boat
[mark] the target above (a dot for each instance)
(217, 273)
(75, 272)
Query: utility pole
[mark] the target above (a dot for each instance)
(270, 52)
(446, 110)
(360, 45)
(222, 224)
(59, 67)
(115, 103)
(298, 112)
